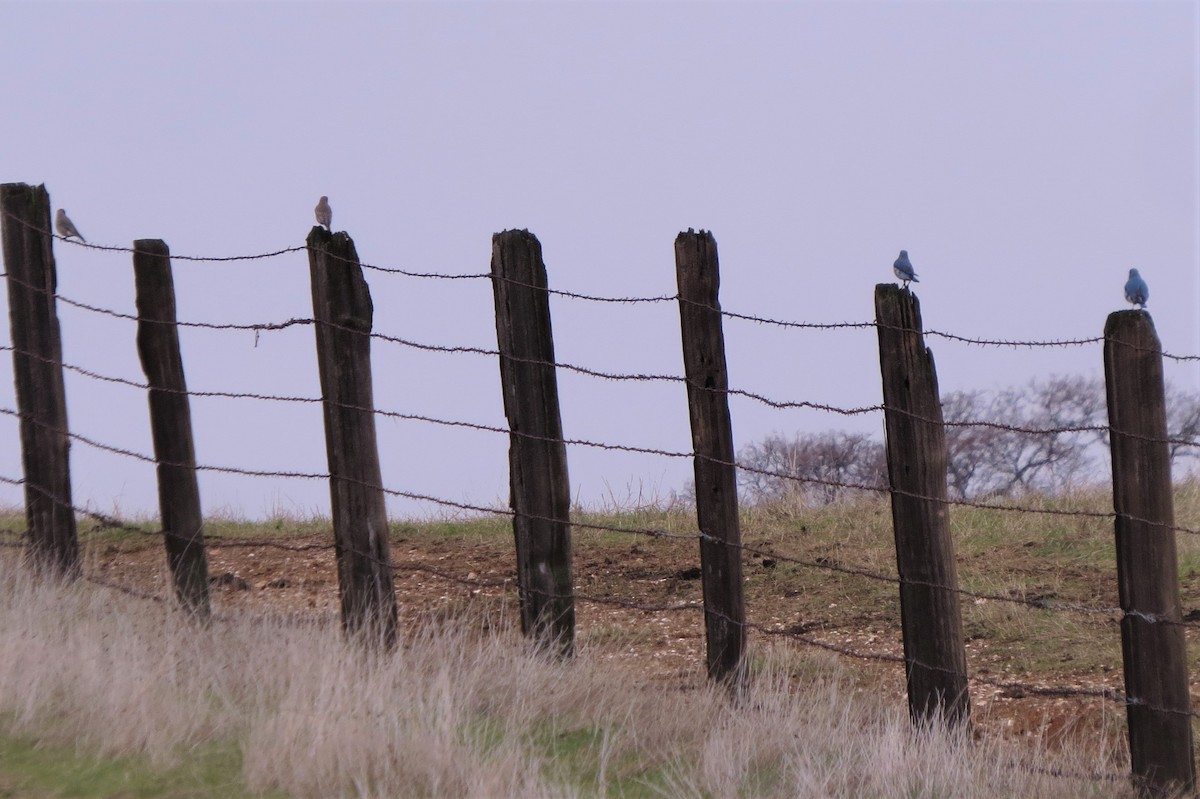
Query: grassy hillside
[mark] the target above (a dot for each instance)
(268, 698)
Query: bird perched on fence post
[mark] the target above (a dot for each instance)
(1136, 290)
(66, 228)
(904, 269)
(324, 213)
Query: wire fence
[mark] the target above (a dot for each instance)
(799, 633)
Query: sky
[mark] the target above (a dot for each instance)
(1026, 154)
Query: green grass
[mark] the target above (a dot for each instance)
(34, 769)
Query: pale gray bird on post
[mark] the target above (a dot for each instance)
(1136, 290)
(324, 213)
(66, 228)
(904, 269)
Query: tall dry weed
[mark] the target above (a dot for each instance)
(464, 709)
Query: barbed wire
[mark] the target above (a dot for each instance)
(106, 522)
(827, 565)
(985, 424)
(765, 400)
(1012, 343)
(978, 341)
(1014, 687)
(1098, 429)
(117, 248)
(474, 350)
(291, 474)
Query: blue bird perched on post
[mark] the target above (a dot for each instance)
(904, 269)
(1136, 290)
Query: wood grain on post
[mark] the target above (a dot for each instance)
(1152, 641)
(344, 314)
(53, 544)
(935, 659)
(698, 276)
(539, 489)
(170, 424)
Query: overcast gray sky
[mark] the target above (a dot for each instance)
(1026, 154)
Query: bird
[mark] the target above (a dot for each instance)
(324, 213)
(66, 228)
(904, 269)
(1136, 290)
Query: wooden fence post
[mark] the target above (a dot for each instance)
(343, 312)
(935, 658)
(170, 424)
(1152, 640)
(37, 369)
(539, 491)
(698, 277)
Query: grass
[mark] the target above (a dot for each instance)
(257, 705)
(32, 768)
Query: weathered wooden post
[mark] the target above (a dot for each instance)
(698, 276)
(539, 490)
(935, 658)
(1152, 641)
(343, 312)
(53, 544)
(170, 424)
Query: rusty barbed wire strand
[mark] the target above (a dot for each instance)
(100, 311)
(985, 342)
(596, 298)
(116, 248)
(1012, 343)
(791, 633)
(218, 541)
(978, 341)
(497, 511)
(1009, 685)
(583, 370)
(985, 424)
(1014, 688)
(765, 400)
(480, 351)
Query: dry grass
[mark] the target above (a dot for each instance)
(464, 709)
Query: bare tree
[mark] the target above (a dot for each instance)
(813, 469)
(1045, 436)
(1183, 424)
(969, 447)
(1020, 440)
